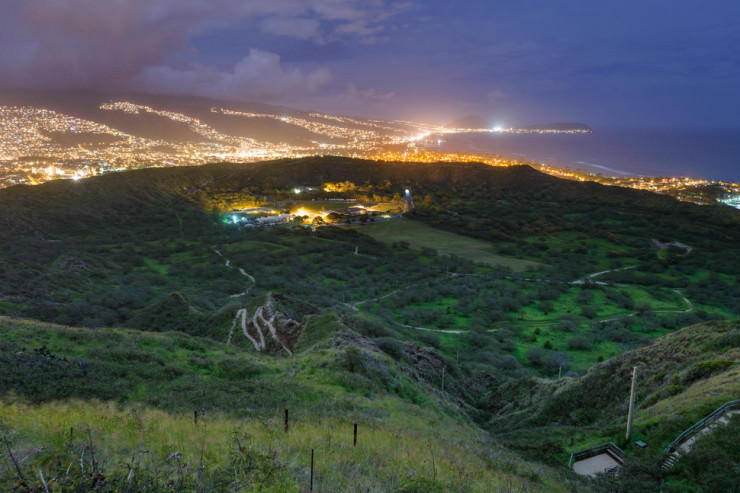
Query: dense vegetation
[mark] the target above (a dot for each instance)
(499, 277)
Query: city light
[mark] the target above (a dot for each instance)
(38, 145)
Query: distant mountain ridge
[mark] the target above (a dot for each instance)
(258, 121)
(561, 127)
(477, 122)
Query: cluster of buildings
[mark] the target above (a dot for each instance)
(266, 216)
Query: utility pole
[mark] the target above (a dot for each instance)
(632, 404)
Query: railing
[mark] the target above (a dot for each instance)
(607, 447)
(697, 427)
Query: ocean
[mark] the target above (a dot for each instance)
(708, 154)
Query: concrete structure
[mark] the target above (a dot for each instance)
(597, 464)
(604, 458)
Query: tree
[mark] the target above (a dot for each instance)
(546, 307)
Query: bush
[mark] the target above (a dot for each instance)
(705, 369)
(535, 355)
(579, 343)
(390, 346)
(588, 311)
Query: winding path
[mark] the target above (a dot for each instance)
(241, 271)
(590, 277)
(662, 246)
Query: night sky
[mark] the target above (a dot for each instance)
(635, 63)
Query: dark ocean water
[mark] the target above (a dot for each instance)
(710, 154)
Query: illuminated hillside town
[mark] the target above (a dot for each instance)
(38, 145)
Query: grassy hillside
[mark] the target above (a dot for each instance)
(112, 409)
(681, 378)
(420, 236)
(507, 301)
(99, 251)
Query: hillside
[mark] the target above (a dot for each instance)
(117, 392)
(508, 304)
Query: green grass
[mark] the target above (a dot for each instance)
(139, 391)
(419, 236)
(76, 443)
(156, 266)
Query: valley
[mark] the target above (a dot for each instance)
(502, 315)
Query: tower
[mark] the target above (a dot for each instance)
(409, 200)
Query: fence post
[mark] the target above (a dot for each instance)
(631, 411)
(195, 417)
(354, 441)
(311, 483)
(286, 421)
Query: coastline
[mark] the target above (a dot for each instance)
(701, 154)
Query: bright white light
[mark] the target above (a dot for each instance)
(497, 128)
(234, 219)
(407, 191)
(296, 190)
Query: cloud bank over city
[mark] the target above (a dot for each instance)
(635, 63)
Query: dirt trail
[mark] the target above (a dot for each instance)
(689, 305)
(601, 273)
(262, 325)
(662, 246)
(241, 271)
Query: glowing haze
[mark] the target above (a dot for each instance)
(635, 62)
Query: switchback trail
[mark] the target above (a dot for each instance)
(590, 277)
(241, 271)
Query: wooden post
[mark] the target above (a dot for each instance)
(195, 417)
(286, 421)
(311, 483)
(354, 441)
(632, 404)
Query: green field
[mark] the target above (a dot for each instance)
(419, 235)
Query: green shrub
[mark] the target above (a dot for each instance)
(705, 369)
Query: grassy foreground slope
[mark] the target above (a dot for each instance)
(112, 410)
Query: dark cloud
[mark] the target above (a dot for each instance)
(528, 60)
(130, 44)
(88, 43)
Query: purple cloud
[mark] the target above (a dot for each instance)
(131, 44)
(259, 75)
